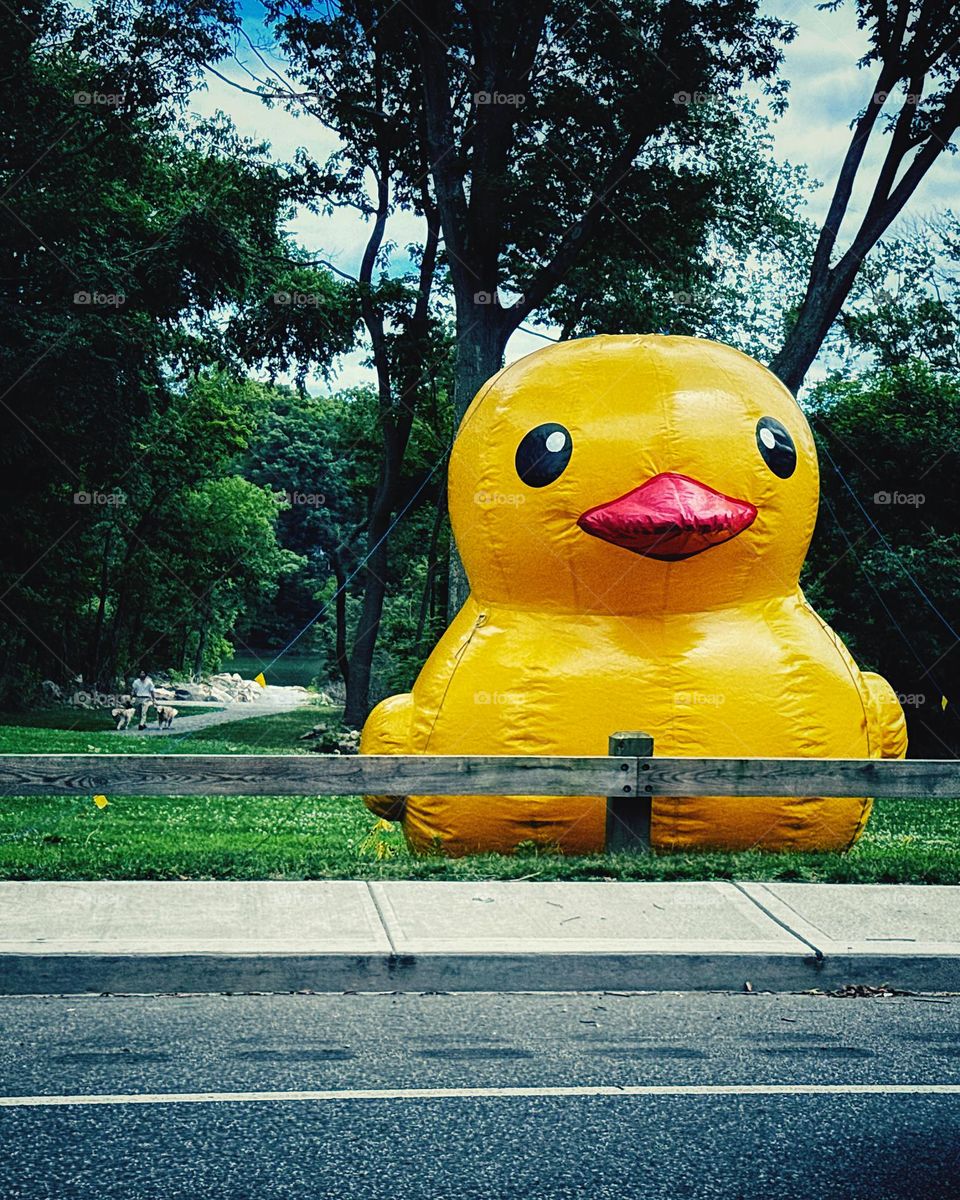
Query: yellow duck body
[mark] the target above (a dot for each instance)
(636, 569)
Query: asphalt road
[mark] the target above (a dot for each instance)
(489, 1143)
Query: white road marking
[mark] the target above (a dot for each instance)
(481, 1093)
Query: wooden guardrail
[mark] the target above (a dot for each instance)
(630, 776)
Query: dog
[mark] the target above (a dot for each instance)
(122, 716)
(165, 716)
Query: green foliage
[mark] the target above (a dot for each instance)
(322, 456)
(894, 435)
(298, 317)
(616, 132)
(908, 300)
(722, 260)
(141, 246)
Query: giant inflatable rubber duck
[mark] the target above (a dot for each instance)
(632, 514)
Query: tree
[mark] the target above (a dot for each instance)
(724, 260)
(518, 136)
(884, 565)
(914, 47)
(909, 299)
(324, 454)
(159, 587)
(131, 238)
(538, 126)
(365, 90)
(227, 545)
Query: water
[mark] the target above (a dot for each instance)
(291, 669)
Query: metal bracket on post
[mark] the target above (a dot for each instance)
(628, 814)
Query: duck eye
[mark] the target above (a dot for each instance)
(776, 447)
(543, 454)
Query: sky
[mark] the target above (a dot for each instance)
(826, 91)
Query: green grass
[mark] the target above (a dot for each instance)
(83, 720)
(279, 732)
(310, 837)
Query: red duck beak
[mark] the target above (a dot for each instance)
(669, 517)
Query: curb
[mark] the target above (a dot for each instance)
(74, 974)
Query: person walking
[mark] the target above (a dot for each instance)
(143, 697)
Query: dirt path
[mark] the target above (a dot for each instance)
(274, 700)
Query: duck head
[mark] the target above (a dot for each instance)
(630, 474)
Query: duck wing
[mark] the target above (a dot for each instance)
(387, 731)
(886, 724)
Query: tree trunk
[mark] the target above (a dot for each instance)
(396, 425)
(802, 344)
(340, 610)
(481, 341)
(93, 666)
(365, 639)
(821, 306)
(430, 580)
(201, 650)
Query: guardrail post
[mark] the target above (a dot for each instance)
(628, 814)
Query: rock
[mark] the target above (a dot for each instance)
(225, 680)
(324, 698)
(51, 690)
(182, 693)
(333, 741)
(164, 693)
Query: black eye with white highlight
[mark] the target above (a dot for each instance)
(543, 454)
(776, 447)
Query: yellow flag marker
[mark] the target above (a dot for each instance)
(943, 703)
(260, 679)
(101, 801)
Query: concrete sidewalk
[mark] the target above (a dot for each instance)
(345, 935)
